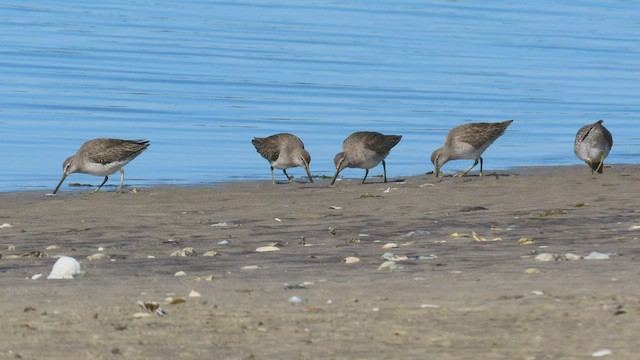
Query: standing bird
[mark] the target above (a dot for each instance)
(364, 150)
(102, 157)
(468, 141)
(592, 145)
(283, 151)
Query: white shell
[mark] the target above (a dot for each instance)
(65, 268)
(267, 248)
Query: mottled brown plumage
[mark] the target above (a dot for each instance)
(364, 150)
(592, 145)
(468, 141)
(102, 157)
(283, 151)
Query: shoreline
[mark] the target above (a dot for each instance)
(516, 170)
(444, 296)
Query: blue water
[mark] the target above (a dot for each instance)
(199, 79)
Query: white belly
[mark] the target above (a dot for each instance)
(103, 169)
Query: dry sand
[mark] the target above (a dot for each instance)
(476, 300)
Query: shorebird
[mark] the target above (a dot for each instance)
(102, 157)
(468, 141)
(592, 145)
(283, 151)
(364, 150)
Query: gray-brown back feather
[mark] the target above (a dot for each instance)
(104, 151)
(270, 147)
(477, 134)
(379, 143)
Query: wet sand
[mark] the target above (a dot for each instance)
(489, 300)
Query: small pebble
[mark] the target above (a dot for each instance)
(388, 265)
(634, 227)
(295, 300)
(11, 247)
(597, 256)
(97, 256)
(52, 247)
(545, 257)
(5, 225)
(267, 248)
(531, 271)
(36, 276)
(194, 294)
(180, 273)
(65, 268)
(224, 242)
(251, 267)
(601, 353)
(188, 251)
(351, 260)
(211, 253)
(390, 245)
(429, 306)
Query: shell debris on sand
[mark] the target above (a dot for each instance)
(65, 267)
(98, 256)
(5, 225)
(351, 260)
(268, 248)
(211, 253)
(188, 251)
(479, 238)
(526, 241)
(194, 294)
(152, 306)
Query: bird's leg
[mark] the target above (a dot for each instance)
(273, 178)
(287, 175)
(480, 165)
(464, 173)
(600, 165)
(590, 165)
(121, 180)
(384, 169)
(98, 188)
(366, 172)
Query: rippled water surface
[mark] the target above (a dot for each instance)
(199, 79)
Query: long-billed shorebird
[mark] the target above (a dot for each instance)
(468, 141)
(364, 150)
(102, 157)
(592, 145)
(283, 151)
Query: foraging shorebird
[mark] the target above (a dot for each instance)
(468, 141)
(592, 145)
(283, 151)
(102, 157)
(364, 150)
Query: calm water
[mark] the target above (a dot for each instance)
(200, 79)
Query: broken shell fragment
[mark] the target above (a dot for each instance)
(98, 256)
(388, 265)
(188, 251)
(531, 271)
(267, 248)
(65, 268)
(211, 253)
(456, 235)
(526, 241)
(194, 294)
(390, 245)
(479, 238)
(152, 306)
(351, 260)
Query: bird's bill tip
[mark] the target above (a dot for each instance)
(335, 176)
(64, 176)
(309, 174)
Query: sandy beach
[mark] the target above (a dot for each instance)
(442, 297)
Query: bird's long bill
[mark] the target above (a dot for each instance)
(308, 173)
(335, 176)
(437, 171)
(64, 176)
